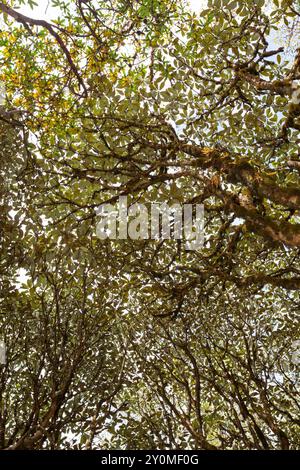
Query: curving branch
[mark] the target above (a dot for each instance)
(26, 20)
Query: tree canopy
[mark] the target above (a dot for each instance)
(142, 344)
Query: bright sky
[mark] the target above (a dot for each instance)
(198, 4)
(45, 10)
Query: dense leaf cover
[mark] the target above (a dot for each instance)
(141, 344)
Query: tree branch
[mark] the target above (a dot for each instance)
(26, 20)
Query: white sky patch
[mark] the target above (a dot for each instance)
(198, 5)
(237, 221)
(21, 278)
(45, 10)
(42, 11)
